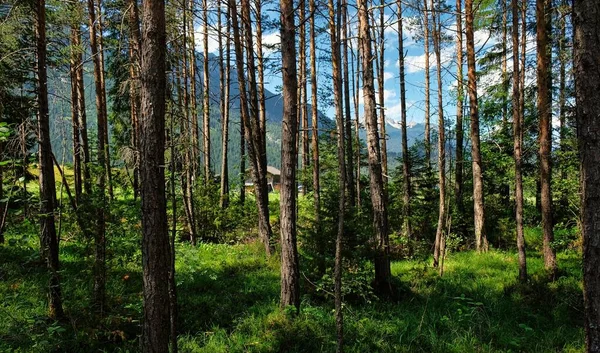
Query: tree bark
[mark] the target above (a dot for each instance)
(99, 236)
(439, 234)
(378, 197)
(427, 84)
(224, 197)
(380, 62)
(481, 242)
(49, 240)
(406, 187)
(518, 143)
(206, 95)
(134, 86)
(290, 286)
(544, 106)
(587, 94)
(459, 171)
(349, 152)
(156, 257)
(75, 62)
(314, 114)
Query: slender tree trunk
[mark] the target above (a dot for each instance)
(427, 84)
(563, 56)
(459, 171)
(518, 143)
(260, 67)
(338, 102)
(290, 286)
(478, 203)
(302, 99)
(255, 136)
(406, 187)
(357, 123)
(134, 86)
(505, 79)
(349, 152)
(439, 235)
(74, 63)
(314, 114)
(106, 148)
(206, 104)
(156, 254)
(378, 196)
(194, 132)
(587, 93)
(224, 199)
(544, 106)
(49, 240)
(172, 281)
(99, 236)
(380, 62)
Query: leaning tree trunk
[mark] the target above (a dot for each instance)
(156, 257)
(478, 203)
(586, 68)
(544, 106)
(290, 286)
(49, 240)
(378, 197)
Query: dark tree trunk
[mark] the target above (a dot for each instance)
(156, 257)
(134, 86)
(378, 197)
(518, 143)
(75, 62)
(586, 68)
(439, 234)
(290, 271)
(427, 84)
(224, 197)
(49, 241)
(459, 171)
(314, 114)
(206, 104)
(99, 236)
(406, 187)
(349, 152)
(337, 93)
(478, 203)
(544, 106)
(255, 136)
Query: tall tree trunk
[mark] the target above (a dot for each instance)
(349, 152)
(172, 281)
(380, 62)
(255, 136)
(106, 148)
(156, 255)
(134, 86)
(334, 32)
(194, 129)
(378, 196)
(99, 236)
(290, 271)
(48, 236)
(563, 56)
(587, 94)
(544, 106)
(260, 67)
(518, 143)
(314, 113)
(427, 84)
(188, 73)
(439, 234)
(224, 197)
(459, 171)
(505, 80)
(406, 187)
(356, 90)
(206, 104)
(478, 203)
(302, 100)
(74, 63)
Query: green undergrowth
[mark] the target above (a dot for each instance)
(228, 302)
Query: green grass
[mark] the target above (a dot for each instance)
(228, 301)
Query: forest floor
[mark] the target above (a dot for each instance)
(228, 301)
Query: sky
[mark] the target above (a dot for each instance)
(414, 64)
